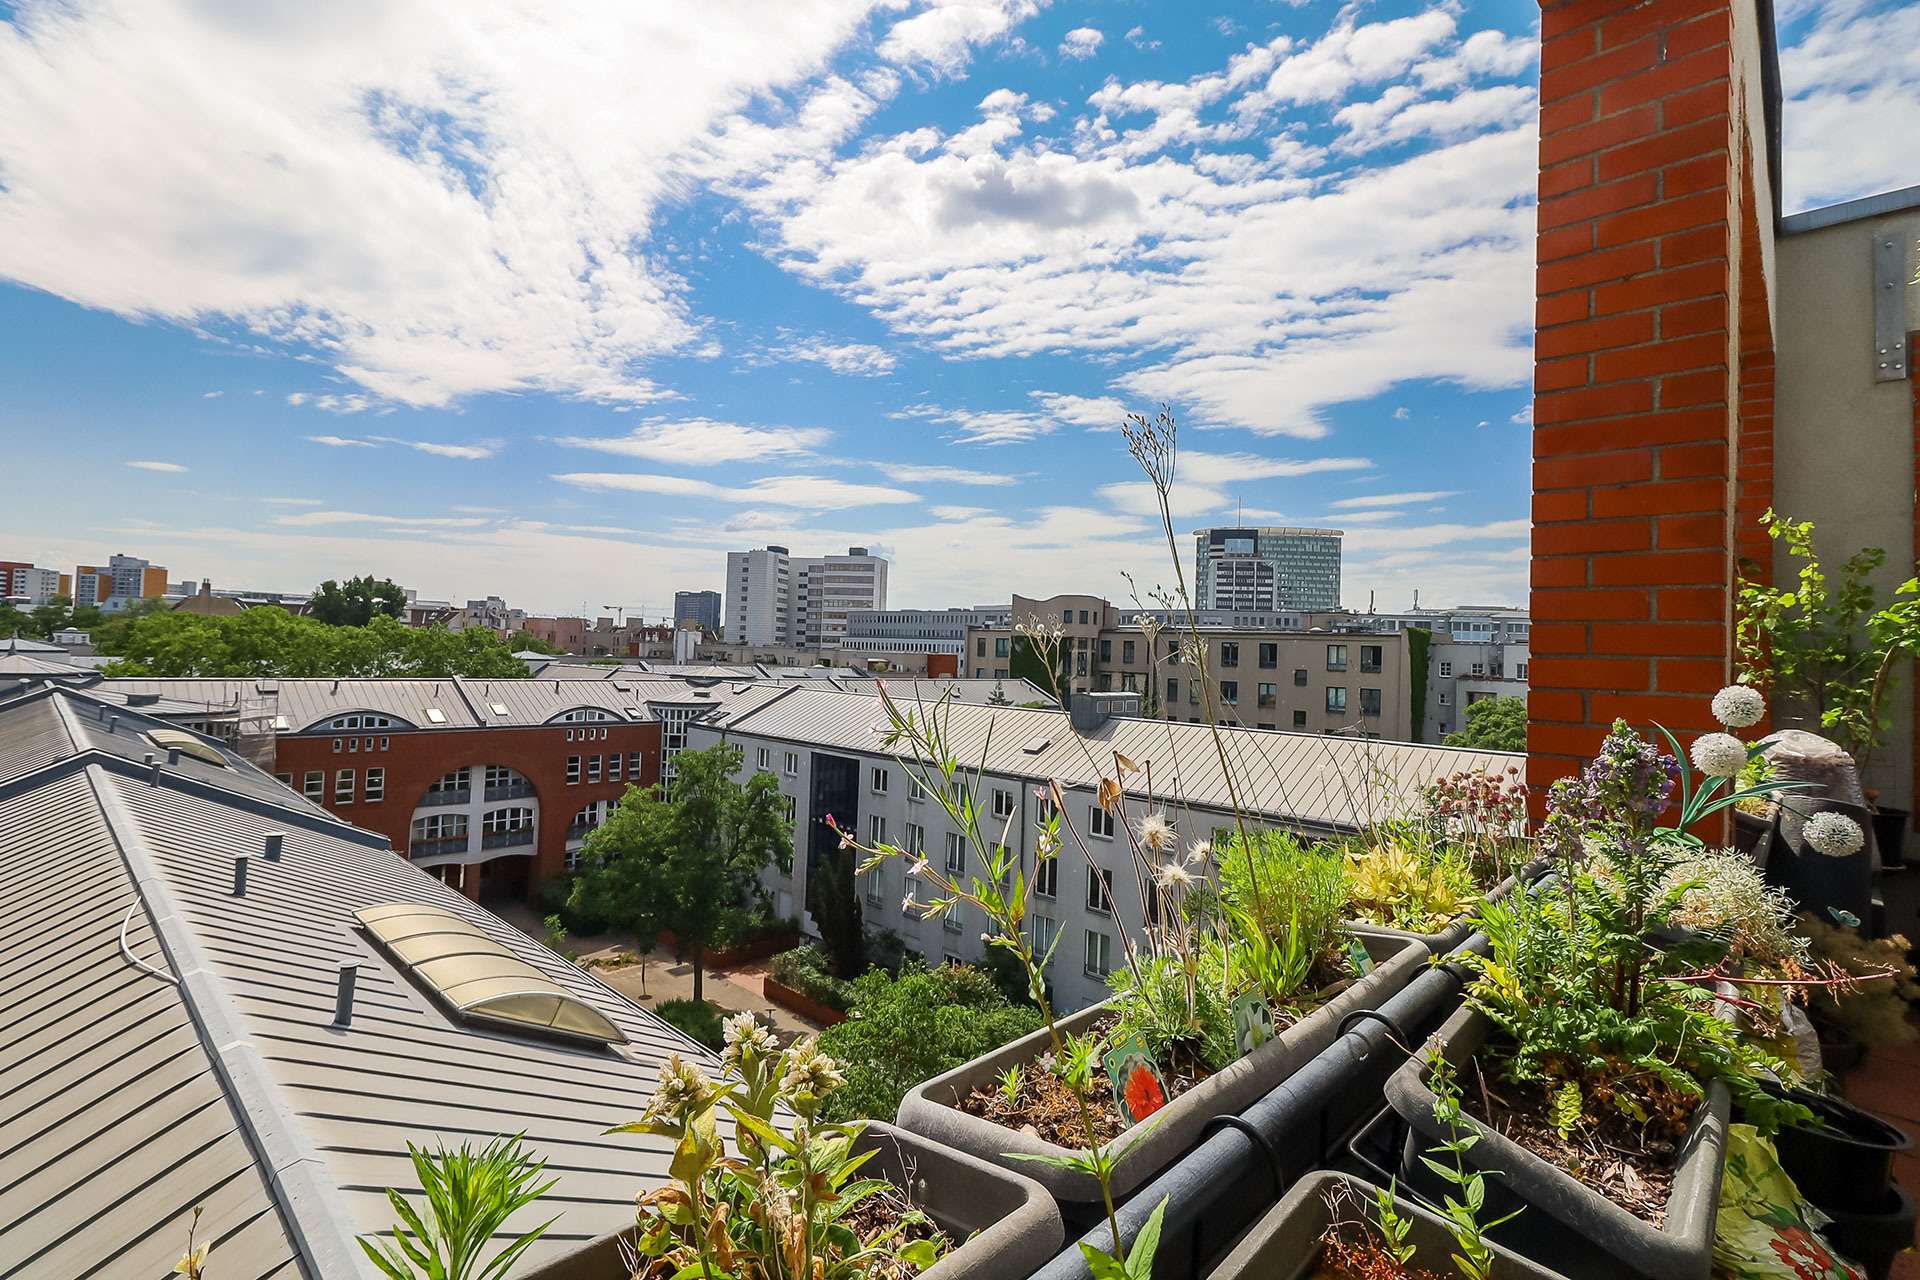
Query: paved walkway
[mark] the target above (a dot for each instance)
(664, 978)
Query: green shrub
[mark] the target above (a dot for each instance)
(556, 893)
(696, 1018)
(740, 926)
(807, 970)
(1290, 887)
(905, 1030)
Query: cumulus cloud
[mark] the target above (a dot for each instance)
(941, 37)
(704, 442)
(861, 358)
(817, 493)
(1081, 42)
(1845, 78)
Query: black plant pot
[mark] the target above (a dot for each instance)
(1890, 833)
(1844, 1159)
(1873, 1239)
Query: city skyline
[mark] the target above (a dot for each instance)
(428, 317)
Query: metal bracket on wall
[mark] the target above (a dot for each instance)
(1889, 306)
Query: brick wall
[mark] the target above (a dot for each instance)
(1639, 377)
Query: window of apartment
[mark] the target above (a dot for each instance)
(1173, 689)
(1100, 891)
(1126, 652)
(376, 785)
(353, 744)
(343, 787)
(1000, 646)
(284, 779)
(1520, 669)
(872, 885)
(1046, 877)
(1269, 695)
(877, 830)
(1446, 668)
(762, 759)
(1269, 656)
(593, 768)
(1336, 698)
(793, 763)
(916, 789)
(314, 786)
(1369, 702)
(1193, 693)
(980, 647)
(633, 766)
(1300, 677)
(1229, 653)
(1045, 930)
(1299, 719)
(573, 771)
(956, 856)
(1083, 617)
(502, 821)
(1336, 657)
(916, 839)
(787, 805)
(1150, 907)
(1230, 692)
(1479, 668)
(1099, 951)
(613, 767)
(336, 746)
(1370, 657)
(1106, 651)
(1002, 803)
(879, 780)
(1099, 823)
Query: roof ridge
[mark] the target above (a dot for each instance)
(289, 1163)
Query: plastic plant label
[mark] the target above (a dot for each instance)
(1357, 957)
(1252, 1022)
(1139, 1089)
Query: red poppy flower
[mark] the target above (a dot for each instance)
(1144, 1094)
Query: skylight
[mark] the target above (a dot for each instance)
(498, 708)
(436, 716)
(478, 978)
(186, 744)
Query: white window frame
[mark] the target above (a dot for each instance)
(343, 786)
(1099, 822)
(573, 771)
(880, 780)
(1099, 888)
(1003, 803)
(1046, 877)
(1104, 947)
(314, 785)
(956, 857)
(792, 763)
(376, 787)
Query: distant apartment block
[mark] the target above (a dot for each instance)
(899, 632)
(777, 598)
(30, 586)
(118, 583)
(1267, 568)
(1476, 652)
(702, 608)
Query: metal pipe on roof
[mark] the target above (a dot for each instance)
(240, 875)
(173, 755)
(349, 973)
(153, 769)
(276, 841)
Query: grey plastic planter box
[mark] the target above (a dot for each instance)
(1682, 1249)
(929, 1109)
(1005, 1224)
(1285, 1244)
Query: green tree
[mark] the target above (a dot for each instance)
(1493, 724)
(835, 906)
(911, 1028)
(680, 861)
(357, 601)
(527, 641)
(271, 642)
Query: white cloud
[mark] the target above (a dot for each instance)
(145, 465)
(1394, 499)
(1137, 37)
(469, 452)
(861, 358)
(343, 442)
(292, 502)
(1225, 468)
(1523, 415)
(331, 402)
(211, 395)
(704, 442)
(1402, 414)
(1849, 78)
(1081, 42)
(313, 519)
(942, 37)
(915, 473)
(429, 199)
(817, 493)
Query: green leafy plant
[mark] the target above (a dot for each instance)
(470, 1195)
(1825, 644)
(1409, 879)
(1462, 1206)
(1493, 724)
(783, 1204)
(807, 970)
(698, 1019)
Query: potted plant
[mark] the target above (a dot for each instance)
(1600, 1074)
(1829, 650)
(799, 1196)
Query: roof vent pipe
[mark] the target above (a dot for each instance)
(240, 875)
(153, 769)
(113, 724)
(173, 755)
(343, 993)
(276, 841)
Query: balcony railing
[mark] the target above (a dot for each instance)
(507, 839)
(510, 791)
(434, 799)
(437, 848)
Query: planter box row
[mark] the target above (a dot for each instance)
(799, 1002)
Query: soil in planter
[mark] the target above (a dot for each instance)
(1629, 1162)
(1345, 1259)
(882, 1212)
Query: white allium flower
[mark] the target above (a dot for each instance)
(1834, 834)
(1719, 755)
(1739, 705)
(1173, 875)
(1156, 833)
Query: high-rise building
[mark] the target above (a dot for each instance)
(119, 582)
(30, 585)
(1266, 568)
(701, 608)
(777, 598)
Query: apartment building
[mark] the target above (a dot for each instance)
(1266, 568)
(824, 747)
(118, 583)
(702, 608)
(776, 598)
(29, 585)
(1473, 652)
(1264, 676)
(900, 632)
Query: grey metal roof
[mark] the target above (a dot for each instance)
(965, 689)
(1317, 780)
(17, 643)
(30, 664)
(127, 1098)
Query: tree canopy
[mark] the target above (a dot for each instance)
(41, 621)
(357, 601)
(266, 641)
(1493, 724)
(681, 861)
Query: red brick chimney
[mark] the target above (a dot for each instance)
(1653, 358)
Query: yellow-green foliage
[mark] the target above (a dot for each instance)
(1416, 888)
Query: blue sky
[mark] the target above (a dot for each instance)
(563, 312)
